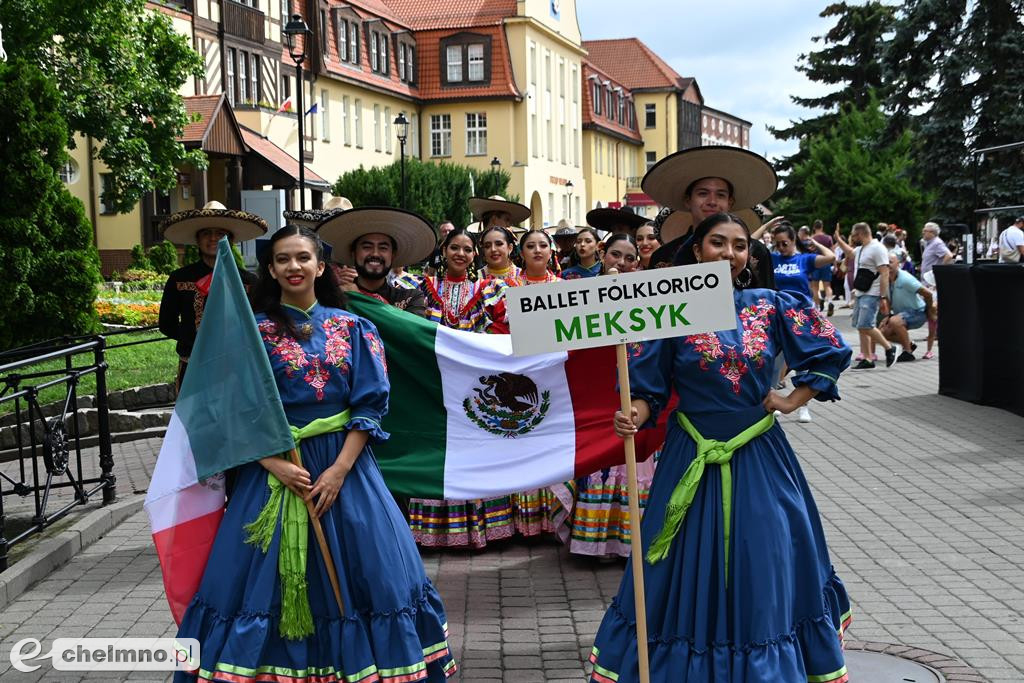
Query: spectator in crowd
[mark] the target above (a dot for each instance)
(821, 278)
(184, 297)
(871, 292)
(912, 305)
(434, 262)
(1011, 242)
(933, 249)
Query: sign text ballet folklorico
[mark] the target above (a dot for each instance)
(616, 309)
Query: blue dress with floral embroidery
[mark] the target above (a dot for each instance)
(779, 615)
(394, 628)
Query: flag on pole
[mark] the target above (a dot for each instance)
(314, 109)
(287, 105)
(228, 413)
(470, 420)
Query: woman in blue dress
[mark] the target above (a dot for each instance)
(585, 259)
(257, 623)
(739, 585)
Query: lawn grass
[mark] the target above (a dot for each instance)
(131, 366)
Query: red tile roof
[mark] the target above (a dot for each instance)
(633, 64)
(602, 121)
(431, 14)
(278, 157)
(377, 8)
(205, 106)
(428, 53)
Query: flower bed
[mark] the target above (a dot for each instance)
(131, 314)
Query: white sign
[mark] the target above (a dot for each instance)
(614, 309)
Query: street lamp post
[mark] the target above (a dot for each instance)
(402, 128)
(496, 164)
(569, 186)
(296, 33)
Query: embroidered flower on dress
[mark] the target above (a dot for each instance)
(284, 347)
(755, 320)
(376, 349)
(733, 369)
(317, 377)
(634, 349)
(823, 327)
(708, 345)
(338, 347)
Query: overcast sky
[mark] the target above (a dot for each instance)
(742, 53)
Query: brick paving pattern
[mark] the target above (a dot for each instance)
(922, 500)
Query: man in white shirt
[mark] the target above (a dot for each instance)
(871, 263)
(1011, 242)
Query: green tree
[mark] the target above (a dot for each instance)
(118, 68)
(438, 192)
(956, 69)
(853, 173)
(850, 59)
(48, 264)
(164, 257)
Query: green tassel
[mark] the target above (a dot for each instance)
(296, 617)
(663, 541)
(260, 531)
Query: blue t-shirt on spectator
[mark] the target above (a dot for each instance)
(793, 272)
(905, 295)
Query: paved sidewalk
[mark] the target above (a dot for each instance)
(923, 502)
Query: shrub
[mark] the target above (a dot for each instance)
(164, 257)
(139, 259)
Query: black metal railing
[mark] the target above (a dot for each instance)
(48, 441)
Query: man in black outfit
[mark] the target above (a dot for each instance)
(184, 298)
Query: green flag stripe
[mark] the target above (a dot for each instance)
(229, 403)
(413, 458)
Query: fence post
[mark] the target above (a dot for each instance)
(103, 419)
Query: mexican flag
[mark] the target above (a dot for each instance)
(468, 419)
(228, 413)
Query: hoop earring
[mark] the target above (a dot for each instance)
(743, 284)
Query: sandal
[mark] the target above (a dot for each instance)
(928, 355)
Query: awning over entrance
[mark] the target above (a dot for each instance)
(282, 168)
(639, 199)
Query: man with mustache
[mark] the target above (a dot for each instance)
(369, 241)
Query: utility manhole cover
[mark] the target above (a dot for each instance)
(872, 667)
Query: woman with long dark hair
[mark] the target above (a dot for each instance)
(265, 606)
(498, 246)
(584, 261)
(647, 242)
(738, 578)
(459, 298)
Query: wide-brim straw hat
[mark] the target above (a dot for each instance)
(413, 235)
(310, 218)
(612, 219)
(478, 206)
(681, 222)
(752, 178)
(563, 229)
(182, 227)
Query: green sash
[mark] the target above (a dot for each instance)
(296, 618)
(709, 452)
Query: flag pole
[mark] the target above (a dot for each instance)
(332, 573)
(636, 547)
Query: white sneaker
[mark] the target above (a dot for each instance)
(804, 414)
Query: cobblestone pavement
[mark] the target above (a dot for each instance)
(921, 495)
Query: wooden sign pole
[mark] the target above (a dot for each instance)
(637, 555)
(332, 573)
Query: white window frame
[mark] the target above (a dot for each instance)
(342, 36)
(229, 72)
(388, 148)
(353, 43)
(476, 134)
(373, 50)
(325, 122)
(357, 120)
(440, 135)
(475, 63)
(346, 129)
(454, 66)
(376, 127)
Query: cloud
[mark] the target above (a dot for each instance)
(743, 54)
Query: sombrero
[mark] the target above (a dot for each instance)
(310, 218)
(752, 178)
(672, 226)
(182, 227)
(412, 233)
(611, 219)
(481, 205)
(563, 229)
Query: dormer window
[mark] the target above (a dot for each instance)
(466, 59)
(405, 54)
(597, 97)
(377, 37)
(347, 32)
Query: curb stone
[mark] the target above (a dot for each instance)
(57, 551)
